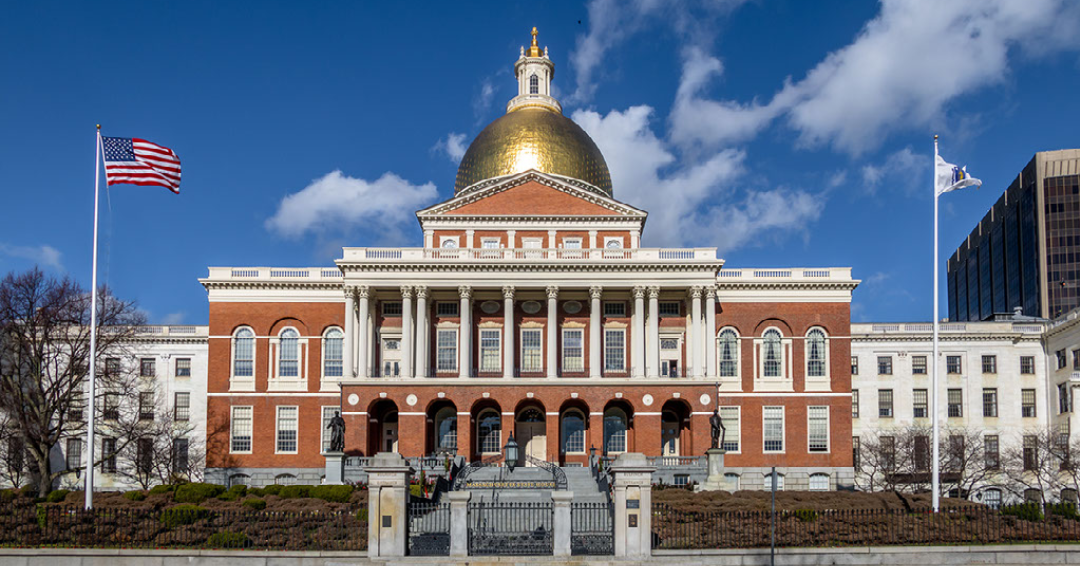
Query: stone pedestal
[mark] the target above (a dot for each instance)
(715, 481)
(560, 501)
(459, 522)
(633, 505)
(335, 468)
(388, 505)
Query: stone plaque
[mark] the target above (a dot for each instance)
(387, 521)
(633, 504)
(632, 520)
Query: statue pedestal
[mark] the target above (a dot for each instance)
(335, 468)
(715, 481)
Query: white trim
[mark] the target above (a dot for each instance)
(324, 434)
(521, 348)
(410, 414)
(232, 419)
(455, 329)
(322, 357)
(783, 429)
(242, 383)
(650, 414)
(820, 383)
(828, 433)
(738, 418)
(498, 333)
(277, 429)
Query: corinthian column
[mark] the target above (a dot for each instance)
(552, 331)
(695, 332)
(638, 349)
(348, 370)
(465, 353)
(595, 338)
(508, 331)
(710, 331)
(363, 293)
(421, 332)
(406, 331)
(652, 342)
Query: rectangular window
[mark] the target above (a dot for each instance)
(990, 408)
(573, 356)
(112, 366)
(855, 445)
(108, 455)
(240, 430)
(1027, 403)
(920, 404)
(327, 414)
(1027, 365)
(490, 350)
(391, 308)
(818, 429)
(182, 404)
(991, 452)
(287, 429)
(144, 456)
(571, 243)
(447, 308)
(854, 365)
(989, 364)
(884, 365)
(918, 365)
(146, 405)
(146, 367)
(922, 453)
(532, 350)
(888, 452)
(76, 405)
(854, 403)
(74, 453)
(183, 367)
(730, 417)
(956, 403)
(1064, 398)
(1076, 359)
(669, 343)
(615, 349)
(180, 456)
(1031, 452)
(111, 406)
(614, 308)
(953, 365)
(446, 354)
(773, 427)
(489, 243)
(1060, 358)
(884, 402)
(668, 308)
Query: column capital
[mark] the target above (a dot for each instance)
(553, 292)
(695, 292)
(710, 292)
(406, 291)
(465, 291)
(421, 291)
(508, 291)
(596, 292)
(363, 291)
(349, 291)
(654, 292)
(639, 292)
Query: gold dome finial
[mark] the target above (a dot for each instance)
(534, 49)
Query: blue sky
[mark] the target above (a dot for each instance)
(784, 133)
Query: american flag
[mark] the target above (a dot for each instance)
(139, 162)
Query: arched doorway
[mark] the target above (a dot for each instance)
(618, 426)
(530, 428)
(442, 428)
(674, 418)
(383, 429)
(486, 430)
(574, 433)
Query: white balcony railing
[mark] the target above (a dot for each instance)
(528, 254)
(262, 273)
(791, 274)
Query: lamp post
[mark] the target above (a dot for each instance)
(511, 452)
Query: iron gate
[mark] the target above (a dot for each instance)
(592, 529)
(516, 528)
(429, 528)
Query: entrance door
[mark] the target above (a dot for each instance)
(390, 440)
(532, 436)
(669, 436)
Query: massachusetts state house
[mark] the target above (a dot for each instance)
(531, 309)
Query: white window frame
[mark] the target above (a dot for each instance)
(383, 350)
(439, 332)
(564, 442)
(620, 357)
(495, 334)
(326, 338)
(288, 383)
(453, 311)
(720, 355)
(783, 429)
(326, 433)
(820, 382)
(608, 240)
(784, 381)
(574, 243)
(243, 382)
(580, 359)
(454, 241)
(617, 313)
(625, 431)
(278, 430)
(819, 475)
(540, 350)
(767, 482)
(809, 428)
(480, 440)
(490, 243)
(233, 430)
(737, 410)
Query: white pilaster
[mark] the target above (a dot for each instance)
(592, 238)
(695, 332)
(511, 239)
(406, 331)
(637, 357)
(552, 331)
(421, 332)
(551, 239)
(363, 344)
(429, 238)
(508, 331)
(469, 238)
(635, 238)
(595, 333)
(348, 344)
(652, 342)
(465, 338)
(709, 341)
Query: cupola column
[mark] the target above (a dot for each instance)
(552, 331)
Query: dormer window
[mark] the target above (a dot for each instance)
(534, 84)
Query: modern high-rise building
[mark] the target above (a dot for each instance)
(1025, 253)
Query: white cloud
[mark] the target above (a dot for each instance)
(42, 255)
(453, 146)
(482, 100)
(174, 318)
(904, 169)
(336, 202)
(682, 196)
(901, 72)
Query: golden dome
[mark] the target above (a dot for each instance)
(533, 138)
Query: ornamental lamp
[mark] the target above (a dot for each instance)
(511, 452)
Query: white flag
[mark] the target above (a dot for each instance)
(949, 177)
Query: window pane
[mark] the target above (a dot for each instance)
(183, 367)
(146, 367)
(816, 354)
(531, 350)
(919, 399)
(1027, 403)
(241, 429)
(446, 355)
(332, 350)
(573, 433)
(289, 354)
(183, 406)
(772, 354)
(773, 429)
(490, 350)
(918, 365)
(286, 429)
(818, 429)
(729, 344)
(614, 431)
(614, 350)
(729, 417)
(244, 354)
(573, 356)
(885, 403)
(956, 402)
(327, 414)
(884, 365)
(489, 431)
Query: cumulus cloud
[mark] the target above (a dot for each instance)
(336, 200)
(903, 169)
(610, 22)
(901, 72)
(453, 146)
(482, 100)
(174, 318)
(696, 200)
(42, 255)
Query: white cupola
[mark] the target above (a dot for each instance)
(534, 71)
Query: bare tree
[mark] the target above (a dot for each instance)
(877, 465)
(14, 471)
(45, 356)
(902, 460)
(162, 450)
(1037, 464)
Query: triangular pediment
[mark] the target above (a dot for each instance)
(532, 194)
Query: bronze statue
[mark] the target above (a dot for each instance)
(718, 430)
(337, 433)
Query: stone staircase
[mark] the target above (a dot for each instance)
(578, 480)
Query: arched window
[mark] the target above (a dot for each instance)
(449, 243)
(614, 431)
(446, 428)
(332, 348)
(992, 498)
(573, 432)
(285, 479)
(489, 432)
(729, 353)
(289, 353)
(772, 354)
(819, 482)
(239, 479)
(244, 353)
(815, 353)
(732, 481)
(534, 84)
(779, 482)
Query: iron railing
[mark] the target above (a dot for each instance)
(182, 527)
(558, 476)
(679, 529)
(517, 528)
(429, 528)
(592, 528)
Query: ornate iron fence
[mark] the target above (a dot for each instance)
(429, 528)
(518, 528)
(592, 529)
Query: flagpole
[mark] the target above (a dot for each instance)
(89, 487)
(935, 480)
